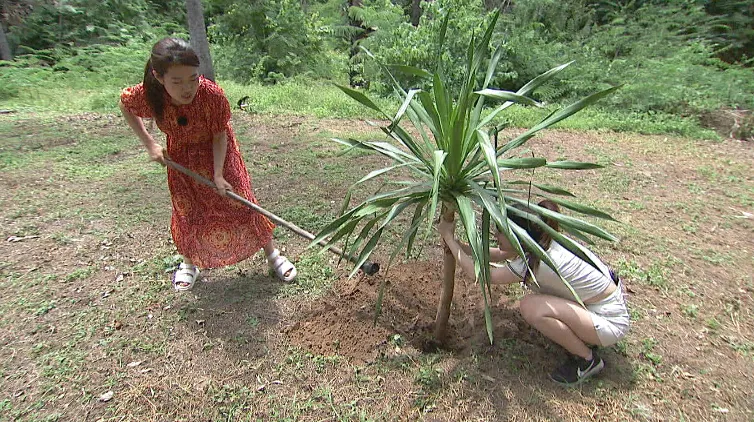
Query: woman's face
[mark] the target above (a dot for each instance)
(181, 82)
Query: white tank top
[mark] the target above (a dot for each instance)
(585, 280)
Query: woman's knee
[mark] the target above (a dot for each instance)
(531, 307)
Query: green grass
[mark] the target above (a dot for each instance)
(597, 118)
(92, 82)
(654, 276)
(316, 275)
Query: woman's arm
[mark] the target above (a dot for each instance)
(219, 153)
(496, 255)
(463, 259)
(137, 125)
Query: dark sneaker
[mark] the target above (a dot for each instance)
(576, 369)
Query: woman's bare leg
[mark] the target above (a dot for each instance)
(562, 321)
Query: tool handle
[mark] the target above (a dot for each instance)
(368, 267)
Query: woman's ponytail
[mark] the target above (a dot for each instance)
(154, 91)
(537, 233)
(552, 206)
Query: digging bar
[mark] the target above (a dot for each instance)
(369, 268)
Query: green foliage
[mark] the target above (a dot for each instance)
(661, 52)
(267, 41)
(90, 78)
(51, 29)
(419, 46)
(734, 29)
(672, 57)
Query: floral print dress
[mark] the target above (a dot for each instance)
(209, 229)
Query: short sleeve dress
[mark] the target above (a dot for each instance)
(209, 229)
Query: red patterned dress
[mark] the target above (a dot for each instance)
(209, 229)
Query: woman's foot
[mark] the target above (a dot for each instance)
(577, 369)
(185, 277)
(283, 268)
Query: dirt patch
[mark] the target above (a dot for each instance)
(730, 123)
(343, 322)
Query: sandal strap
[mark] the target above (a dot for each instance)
(185, 266)
(279, 262)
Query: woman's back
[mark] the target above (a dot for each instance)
(585, 280)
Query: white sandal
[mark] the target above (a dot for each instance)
(185, 277)
(282, 266)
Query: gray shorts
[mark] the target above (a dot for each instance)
(610, 317)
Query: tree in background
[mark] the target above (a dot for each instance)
(5, 51)
(357, 32)
(733, 30)
(198, 37)
(267, 40)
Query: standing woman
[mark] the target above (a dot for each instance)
(551, 308)
(209, 230)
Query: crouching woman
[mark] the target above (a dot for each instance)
(551, 308)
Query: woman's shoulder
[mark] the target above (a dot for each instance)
(209, 87)
(137, 89)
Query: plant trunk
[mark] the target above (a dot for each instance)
(5, 53)
(448, 285)
(416, 12)
(199, 41)
(354, 73)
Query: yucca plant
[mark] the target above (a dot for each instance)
(457, 170)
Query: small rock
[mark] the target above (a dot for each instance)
(107, 396)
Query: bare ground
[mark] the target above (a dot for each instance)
(87, 307)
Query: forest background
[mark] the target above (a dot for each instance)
(685, 66)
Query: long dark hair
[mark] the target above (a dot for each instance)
(537, 233)
(165, 53)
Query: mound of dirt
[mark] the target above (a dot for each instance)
(343, 322)
(728, 123)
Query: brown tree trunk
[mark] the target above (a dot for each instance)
(199, 41)
(5, 53)
(448, 285)
(416, 12)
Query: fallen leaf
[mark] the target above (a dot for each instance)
(119, 278)
(107, 396)
(134, 364)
